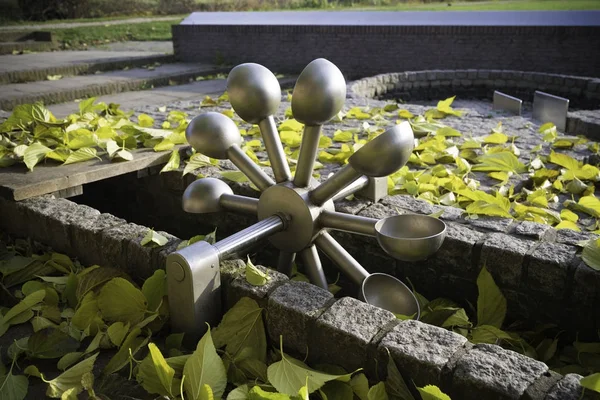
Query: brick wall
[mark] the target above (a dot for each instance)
(368, 50)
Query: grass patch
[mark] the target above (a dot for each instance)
(95, 35)
(83, 20)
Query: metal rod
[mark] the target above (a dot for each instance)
(348, 223)
(352, 188)
(241, 204)
(247, 166)
(313, 266)
(326, 190)
(285, 261)
(308, 153)
(341, 257)
(248, 237)
(279, 164)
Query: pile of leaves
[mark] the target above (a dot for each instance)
(77, 315)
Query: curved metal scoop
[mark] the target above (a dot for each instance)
(410, 237)
(389, 293)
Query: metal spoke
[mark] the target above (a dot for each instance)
(279, 164)
(248, 237)
(308, 153)
(285, 262)
(341, 257)
(237, 203)
(247, 166)
(348, 223)
(352, 188)
(314, 269)
(338, 181)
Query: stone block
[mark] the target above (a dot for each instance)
(503, 256)
(13, 218)
(231, 269)
(568, 236)
(379, 210)
(548, 268)
(239, 287)
(568, 388)
(292, 309)
(456, 253)
(37, 218)
(538, 389)
(493, 373)
(586, 282)
(115, 243)
(492, 224)
(420, 350)
(352, 206)
(534, 230)
(159, 255)
(409, 203)
(349, 324)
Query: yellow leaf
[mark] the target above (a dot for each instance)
(145, 121)
(255, 276)
(290, 125)
(568, 225)
(495, 138)
(405, 114)
(342, 136)
(568, 215)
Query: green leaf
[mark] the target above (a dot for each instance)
(343, 136)
(234, 176)
(242, 327)
(481, 207)
(154, 237)
(256, 393)
(495, 138)
(50, 343)
(360, 386)
(164, 145)
(563, 160)
(444, 107)
(491, 303)
(394, 384)
(13, 387)
(87, 314)
(591, 382)
(94, 276)
(173, 163)
(83, 154)
(503, 161)
(197, 161)
(432, 392)
(116, 332)
(488, 334)
(336, 390)
(206, 393)
(69, 359)
(86, 105)
(24, 305)
(377, 392)
(204, 366)
(71, 378)
(155, 288)
(145, 121)
(119, 300)
(568, 225)
(164, 372)
(591, 254)
(123, 155)
(255, 276)
(132, 343)
(289, 375)
(239, 393)
(34, 154)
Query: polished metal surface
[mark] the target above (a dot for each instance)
(550, 108)
(507, 103)
(293, 202)
(256, 175)
(308, 153)
(410, 237)
(193, 286)
(239, 242)
(254, 92)
(274, 148)
(385, 154)
(295, 216)
(212, 134)
(348, 223)
(389, 293)
(313, 267)
(319, 93)
(240, 204)
(345, 262)
(285, 262)
(205, 195)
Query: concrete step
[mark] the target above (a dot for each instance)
(79, 87)
(36, 67)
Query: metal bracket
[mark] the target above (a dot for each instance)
(194, 288)
(550, 108)
(375, 190)
(507, 103)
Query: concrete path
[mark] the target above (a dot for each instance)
(77, 87)
(66, 25)
(11, 63)
(154, 97)
(165, 46)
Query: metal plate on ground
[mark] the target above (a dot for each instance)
(507, 103)
(17, 183)
(550, 108)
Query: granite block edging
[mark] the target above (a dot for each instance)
(319, 323)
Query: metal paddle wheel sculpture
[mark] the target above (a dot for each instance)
(294, 213)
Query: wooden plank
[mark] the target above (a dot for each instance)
(17, 183)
